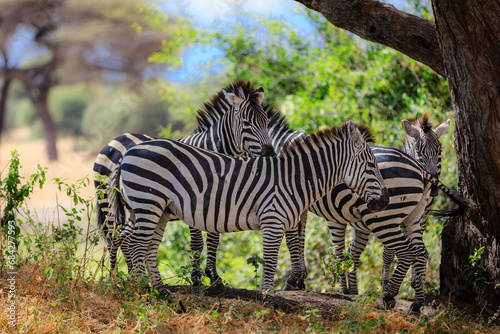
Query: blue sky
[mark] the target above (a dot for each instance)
(206, 13)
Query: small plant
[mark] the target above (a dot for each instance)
(335, 266)
(313, 326)
(256, 261)
(13, 194)
(476, 273)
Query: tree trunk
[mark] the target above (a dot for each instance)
(38, 97)
(3, 101)
(468, 33)
(48, 127)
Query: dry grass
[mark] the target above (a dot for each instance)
(96, 307)
(67, 301)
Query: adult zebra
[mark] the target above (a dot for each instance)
(218, 193)
(234, 122)
(422, 143)
(342, 203)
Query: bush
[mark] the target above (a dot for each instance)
(123, 111)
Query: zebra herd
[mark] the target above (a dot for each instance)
(246, 169)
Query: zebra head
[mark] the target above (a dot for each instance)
(361, 172)
(250, 123)
(422, 143)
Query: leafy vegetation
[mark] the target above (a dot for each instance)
(63, 286)
(317, 78)
(321, 78)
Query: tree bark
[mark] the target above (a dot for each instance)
(468, 33)
(38, 97)
(381, 23)
(3, 101)
(463, 47)
(38, 82)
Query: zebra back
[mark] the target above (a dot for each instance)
(233, 122)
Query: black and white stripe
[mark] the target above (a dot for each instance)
(234, 122)
(218, 193)
(408, 188)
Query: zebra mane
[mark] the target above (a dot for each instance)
(277, 123)
(424, 123)
(333, 133)
(213, 110)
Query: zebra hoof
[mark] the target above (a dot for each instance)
(217, 286)
(301, 285)
(290, 287)
(389, 302)
(414, 309)
(164, 291)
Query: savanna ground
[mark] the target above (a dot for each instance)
(62, 284)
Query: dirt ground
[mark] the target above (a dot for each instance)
(288, 301)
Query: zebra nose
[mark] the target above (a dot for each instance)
(378, 204)
(267, 151)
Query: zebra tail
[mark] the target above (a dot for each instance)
(117, 203)
(462, 204)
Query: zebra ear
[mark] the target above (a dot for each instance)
(354, 133)
(409, 129)
(232, 98)
(443, 128)
(259, 94)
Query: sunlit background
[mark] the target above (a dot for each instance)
(113, 66)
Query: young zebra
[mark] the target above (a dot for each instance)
(234, 122)
(218, 193)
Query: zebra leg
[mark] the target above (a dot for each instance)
(418, 279)
(272, 235)
(152, 256)
(406, 253)
(196, 249)
(338, 239)
(388, 258)
(295, 240)
(357, 246)
(124, 241)
(418, 269)
(113, 250)
(413, 231)
(141, 239)
(211, 268)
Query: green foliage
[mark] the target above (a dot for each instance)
(318, 77)
(66, 105)
(12, 193)
(477, 274)
(143, 112)
(334, 266)
(256, 261)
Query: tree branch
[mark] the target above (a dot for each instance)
(382, 23)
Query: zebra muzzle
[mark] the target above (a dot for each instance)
(379, 203)
(267, 151)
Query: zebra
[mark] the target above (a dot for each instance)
(233, 122)
(422, 143)
(218, 193)
(423, 149)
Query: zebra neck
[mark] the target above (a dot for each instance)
(317, 170)
(409, 147)
(218, 137)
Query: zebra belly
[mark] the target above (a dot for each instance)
(209, 221)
